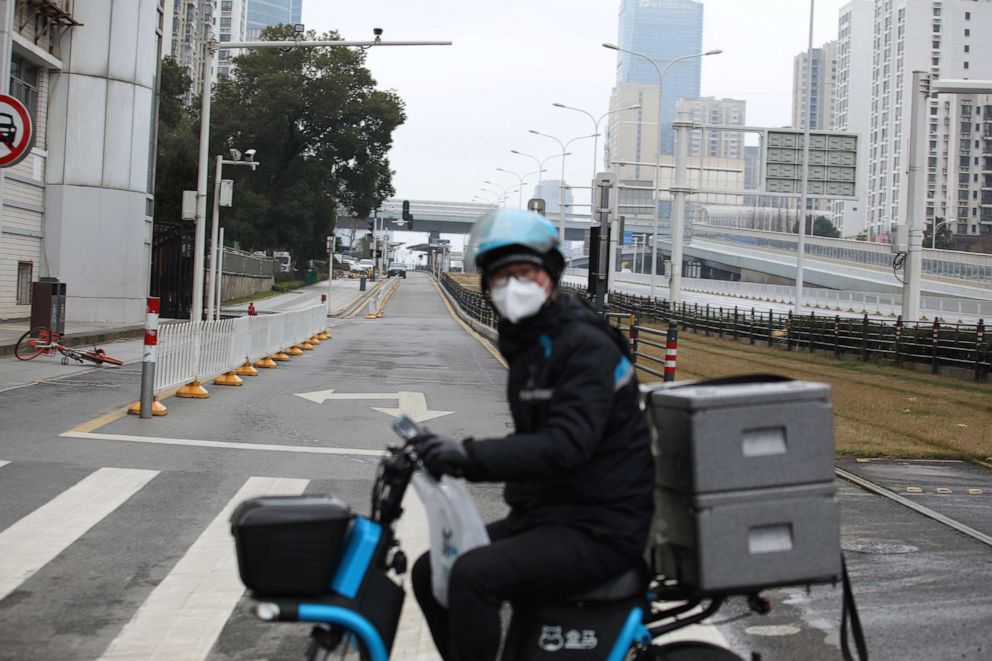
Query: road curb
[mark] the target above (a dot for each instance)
(480, 328)
(84, 338)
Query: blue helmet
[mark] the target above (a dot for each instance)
(508, 235)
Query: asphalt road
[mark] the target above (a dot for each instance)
(112, 537)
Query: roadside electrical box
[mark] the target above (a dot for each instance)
(48, 304)
(900, 239)
(744, 493)
(226, 192)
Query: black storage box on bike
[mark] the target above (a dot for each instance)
(290, 545)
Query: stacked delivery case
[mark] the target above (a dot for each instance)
(744, 492)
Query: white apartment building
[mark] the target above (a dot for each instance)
(230, 20)
(79, 207)
(710, 110)
(852, 104)
(183, 34)
(948, 39)
(824, 74)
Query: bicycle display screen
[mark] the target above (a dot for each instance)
(406, 428)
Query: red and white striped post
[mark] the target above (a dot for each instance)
(671, 352)
(149, 356)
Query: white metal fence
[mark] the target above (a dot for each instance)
(197, 351)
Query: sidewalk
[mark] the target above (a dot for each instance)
(343, 294)
(78, 333)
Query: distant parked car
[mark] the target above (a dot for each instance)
(396, 269)
(363, 266)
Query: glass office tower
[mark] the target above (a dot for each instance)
(263, 13)
(663, 30)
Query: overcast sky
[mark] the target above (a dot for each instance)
(469, 104)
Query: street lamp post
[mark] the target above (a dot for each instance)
(561, 184)
(540, 162)
(520, 179)
(936, 226)
(210, 49)
(215, 250)
(675, 278)
(595, 127)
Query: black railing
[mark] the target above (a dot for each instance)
(941, 346)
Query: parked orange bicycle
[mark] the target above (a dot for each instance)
(43, 341)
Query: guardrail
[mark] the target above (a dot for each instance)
(197, 351)
(940, 346)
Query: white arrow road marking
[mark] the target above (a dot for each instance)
(413, 404)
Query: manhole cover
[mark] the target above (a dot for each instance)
(879, 548)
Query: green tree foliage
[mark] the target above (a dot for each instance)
(821, 227)
(945, 240)
(322, 132)
(178, 139)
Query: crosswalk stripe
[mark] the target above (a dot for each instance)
(32, 542)
(183, 616)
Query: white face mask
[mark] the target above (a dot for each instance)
(518, 299)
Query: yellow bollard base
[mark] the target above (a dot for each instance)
(281, 357)
(370, 315)
(246, 370)
(325, 335)
(314, 340)
(306, 346)
(378, 315)
(158, 408)
(295, 350)
(228, 379)
(194, 390)
(266, 363)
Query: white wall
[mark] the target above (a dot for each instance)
(101, 110)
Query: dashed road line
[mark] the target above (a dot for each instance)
(914, 490)
(39, 537)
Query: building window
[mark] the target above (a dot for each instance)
(24, 83)
(967, 32)
(967, 48)
(965, 65)
(967, 16)
(24, 282)
(225, 5)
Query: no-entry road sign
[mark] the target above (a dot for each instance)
(16, 131)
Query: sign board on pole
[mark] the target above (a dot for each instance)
(226, 192)
(628, 238)
(832, 167)
(16, 131)
(189, 205)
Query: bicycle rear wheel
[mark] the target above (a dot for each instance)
(33, 343)
(335, 645)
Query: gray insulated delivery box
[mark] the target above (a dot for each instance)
(711, 438)
(742, 541)
(744, 492)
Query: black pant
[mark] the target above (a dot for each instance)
(516, 565)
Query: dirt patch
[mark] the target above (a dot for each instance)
(879, 410)
(469, 281)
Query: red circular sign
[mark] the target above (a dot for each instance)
(16, 131)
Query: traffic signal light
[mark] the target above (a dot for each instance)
(407, 216)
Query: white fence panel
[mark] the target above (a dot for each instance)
(175, 356)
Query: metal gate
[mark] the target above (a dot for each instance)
(172, 268)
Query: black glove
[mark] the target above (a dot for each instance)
(441, 456)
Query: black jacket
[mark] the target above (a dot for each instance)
(581, 454)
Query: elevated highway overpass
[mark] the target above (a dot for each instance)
(753, 255)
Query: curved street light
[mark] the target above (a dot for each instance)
(595, 127)
(675, 278)
(540, 162)
(520, 179)
(561, 184)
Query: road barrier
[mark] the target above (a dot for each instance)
(192, 352)
(377, 304)
(955, 349)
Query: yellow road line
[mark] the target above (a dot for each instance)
(468, 329)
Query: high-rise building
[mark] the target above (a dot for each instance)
(852, 104)
(263, 13)
(824, 75)
(230, 24)
(183, 36)
(549, 190)
(951, 40)
(710, 110)
(662, 30)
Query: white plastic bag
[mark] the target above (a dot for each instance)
(454, 522)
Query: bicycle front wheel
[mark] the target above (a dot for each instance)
(339, 645)
(34, 343)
